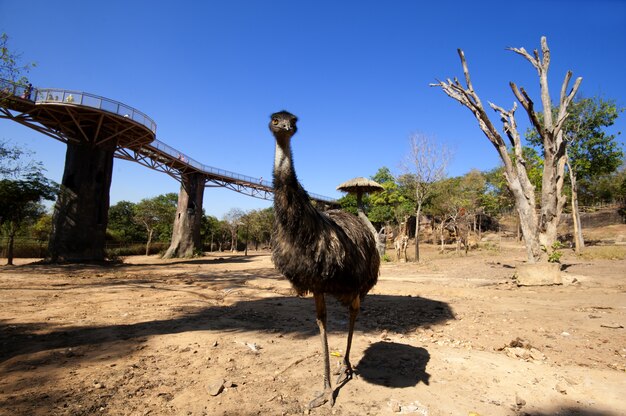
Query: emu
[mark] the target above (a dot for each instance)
(321, 253)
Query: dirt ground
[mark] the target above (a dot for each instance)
(224, 335)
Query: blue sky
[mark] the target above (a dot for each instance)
(356, 73)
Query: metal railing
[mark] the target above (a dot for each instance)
(54, 95)
(13, 88)
(61, 96)
(173, 153)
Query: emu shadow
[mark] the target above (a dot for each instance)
(401, 314)
(394, 365)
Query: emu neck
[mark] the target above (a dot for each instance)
(291, 202)
(283, 161)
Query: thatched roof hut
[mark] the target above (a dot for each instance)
(359, 186)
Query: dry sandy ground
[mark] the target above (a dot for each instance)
(155, 337)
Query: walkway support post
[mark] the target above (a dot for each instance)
(186, 240)
(81, 212)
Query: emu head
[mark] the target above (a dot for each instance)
(283, 125)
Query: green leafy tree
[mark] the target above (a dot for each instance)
(42, 228)
(591, 152)
(156, 215)
(472, 187)
(391, 204)
(209, 226)
(16, 161)
(444, 205)
(604, 189)
(258, 226)
(497, 197)
(348, 203)
(121, 226)
(11, 68)
(224, 235)
(21, 194)
(169, 204)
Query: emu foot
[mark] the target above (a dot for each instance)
(326, 396)
(345, 374)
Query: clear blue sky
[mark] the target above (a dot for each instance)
(356, 73)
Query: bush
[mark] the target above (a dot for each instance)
(116, 250)
(25, 248)
(32, 248)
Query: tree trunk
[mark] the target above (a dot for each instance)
(233, 239)
(528, 222)
(10, 243)
(186, 239)
(441, 238)
(579, 242)
(150, 231)
(433, 229)
(552, 199)
(81, 211)
(245, 253)
(418, 212)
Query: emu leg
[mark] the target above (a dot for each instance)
(327, 394)
(345, 373)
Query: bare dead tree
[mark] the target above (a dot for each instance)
(423, 167)
(539, 229)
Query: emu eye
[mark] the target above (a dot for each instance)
(274, 121)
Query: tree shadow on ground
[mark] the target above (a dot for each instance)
(241, 259)
(44, 267)
(278, 314)
(394, 365)
(217, 279)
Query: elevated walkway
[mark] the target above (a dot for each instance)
(76, 116)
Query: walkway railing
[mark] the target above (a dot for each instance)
(53, 95)
(210, 170)
(56, 95)
(175, 154)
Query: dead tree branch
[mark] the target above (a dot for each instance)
(538, 230)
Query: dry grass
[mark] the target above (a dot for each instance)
(604, 253)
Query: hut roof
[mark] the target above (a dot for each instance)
(360, 184)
